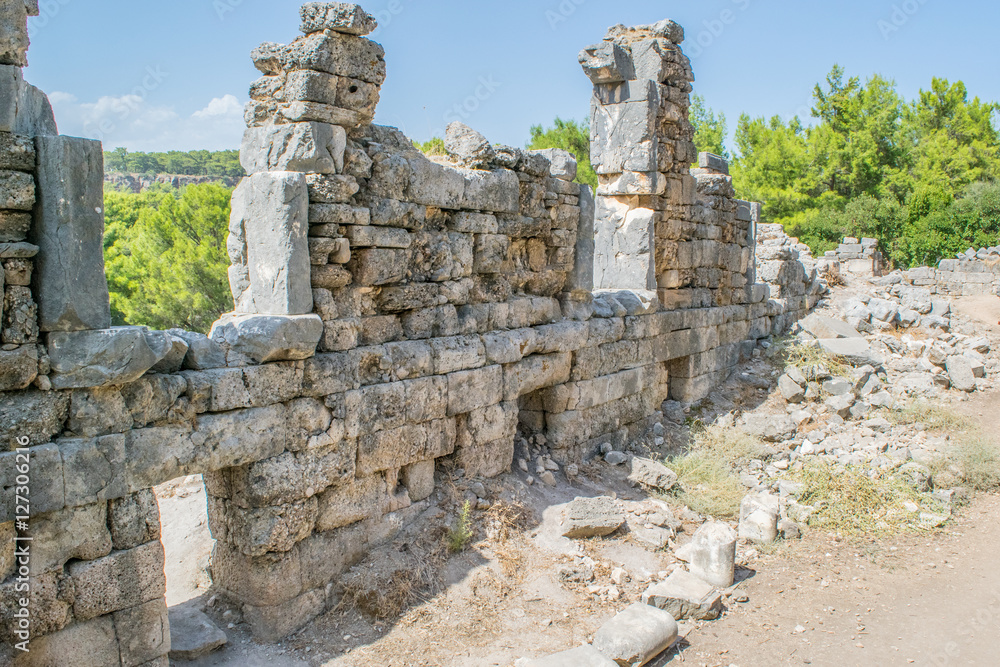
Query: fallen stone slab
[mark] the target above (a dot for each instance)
(711, 554)
(266, 338)
(822, 327)
(593, 517)
(684, 595)
(192, 634)
(344, 17)
(855, 351)
(636, 635)
(104, 357)
(961, 373)
(583, 656)
(791, 390)
(652, 474)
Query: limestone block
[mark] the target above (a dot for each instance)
(584, 656)
(153, 397)
(378, 266)
(365, 497)
(536, 372)
(17, 152)
(433, 184)
(88, 644)
(270, 624)
(35, 415)
(119, 581)
(492, 253)
(240, 437)
(269, 245)
(327, 374)
(14, 226)
(418, 478)
(457, 353)
(607, 62)
(711, 554)
(77, 533)
(70, 286)
(623, 137)
(14, 33)
(563, 164)
(344, 17)
(467, 146)
(302, 112)
(759, 514)
(94, 469)
(375, 408)
(82, 359)
(636, 635)
(328, 51)
(497, 191)
(134, 520)
(47, 490)
(474, 223)
(17, 190)
(684, 595)
(98, 412)
(426, 399)
(264, 581)
(173, 361)
(269, 338)
(203, 353)
(24, 109)
(259, 531)
(623, 256)
(396, 448)
(143, 633)
(307, 86)
(314, 148)
(330, 189)
(471, 390)
(378, 237)
(192, 634)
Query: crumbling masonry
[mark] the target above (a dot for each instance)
(392, 311)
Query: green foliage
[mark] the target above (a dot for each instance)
(571, 136)
(461, 533)
(710, 130)
(165, 256)
(708, 478)
(193, 163)
(433, 147)
(918, 176)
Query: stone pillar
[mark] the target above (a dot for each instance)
(641, 148)
(283, 525)
(70, 284)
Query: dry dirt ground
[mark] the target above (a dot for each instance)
(932, 599)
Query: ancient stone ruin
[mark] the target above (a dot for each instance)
(392, 311)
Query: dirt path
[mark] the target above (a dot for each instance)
(930, 601)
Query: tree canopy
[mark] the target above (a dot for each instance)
(190, 163)
(165, 256)
(571, 136)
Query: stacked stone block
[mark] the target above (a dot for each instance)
(795, 283)
(859, 257)
(972, 273)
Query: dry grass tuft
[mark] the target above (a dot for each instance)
(804, 357)
(505, 525)
(933, 417)
(979, 461)
(707, 474)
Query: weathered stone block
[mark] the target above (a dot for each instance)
(269, 338)
(35, 415)
(14, 226)
(89, 644)
(82, 359)
(275, 623)
(375, 408)
(418, 478)
(264, 581)
(14, 33)
(70, 286)
(119, 581)
(378, 266)
(134, 520)
(328, 51)
(471, 390)
(94, 469)
(497, 191)
(536, 372)
(314, 148)
(366, 497)
(77, 533)
(17, 152)
(236, 438)
(607, 62)
(143, 633)
(47, 489)
(457, 353)
(268, 244)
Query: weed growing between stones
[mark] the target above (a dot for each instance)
(505, 526)
(978, 459)
(932, 417)
(462, 532)
(708, 474)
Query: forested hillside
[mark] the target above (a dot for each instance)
(190, 163)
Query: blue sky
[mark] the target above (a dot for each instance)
(174, 75)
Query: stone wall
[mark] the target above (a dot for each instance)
(971, 274)
(392, 312)
(859, 257)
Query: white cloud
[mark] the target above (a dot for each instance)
(131, 121)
